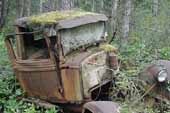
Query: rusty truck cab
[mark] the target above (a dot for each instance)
(57, 57)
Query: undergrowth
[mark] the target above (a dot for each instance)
(128, 89)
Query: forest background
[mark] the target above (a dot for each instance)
(140, 29)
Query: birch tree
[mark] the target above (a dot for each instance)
(126, 20)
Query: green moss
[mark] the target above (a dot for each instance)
(55, 16)
(108, 48)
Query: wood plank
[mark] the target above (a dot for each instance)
(21, 54)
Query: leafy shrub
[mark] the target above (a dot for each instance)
(165, 53)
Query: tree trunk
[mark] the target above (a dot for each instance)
(50, 5)
(41, 6)
(126, 21)
(1, 13)
(93, 5)
(102, 6)
(114, 14)
(155, 21)
(7, 6)
(23, 8)
(77, 3)
(67, 4)
(155, 7)
(28, 7)
(20, 8)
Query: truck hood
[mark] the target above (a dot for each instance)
(93, 68)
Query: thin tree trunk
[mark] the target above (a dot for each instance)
(28, 7)
(1, 13)
(20, 8)
(57, 5)
(155, 7)
(77, 3)
(4, 9)
(21, 12)
(49, 5)
(7, 5)
(67, 4)
(114, 14)
(126, 21)
(102, 6)
(155, 21)
(41, 6)
(23, 8)
(93, 5)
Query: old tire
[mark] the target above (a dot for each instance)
(101, 107)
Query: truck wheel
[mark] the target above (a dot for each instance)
(87, 111)
(101, 107)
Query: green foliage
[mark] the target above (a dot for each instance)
(30, 110)
(129, 90)
(165, 53)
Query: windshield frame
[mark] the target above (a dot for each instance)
(102, 39)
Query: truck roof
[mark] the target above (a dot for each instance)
(60, 19)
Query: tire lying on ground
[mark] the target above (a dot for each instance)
(158, 75)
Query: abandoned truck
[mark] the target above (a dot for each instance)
(63, 58)
(156, 77)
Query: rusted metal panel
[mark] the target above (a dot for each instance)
(24, 81)
(101, 107)
(11, 53)
(71, 84)
(151, 75)
(76, 59)
(113, 61)
(34, 65)
(94, 71)
(40, 84)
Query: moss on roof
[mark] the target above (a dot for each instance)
(55, 16)
(108, 48)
